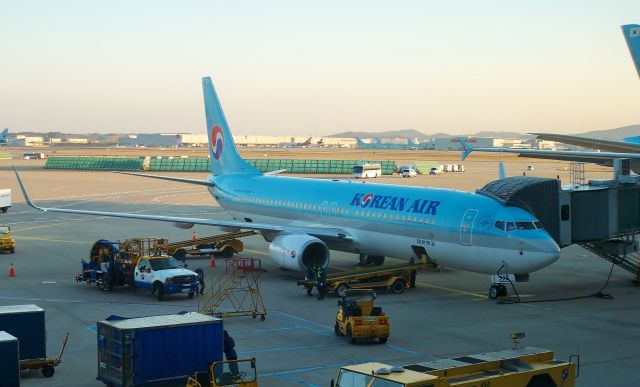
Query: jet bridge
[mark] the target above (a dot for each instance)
(602, 216)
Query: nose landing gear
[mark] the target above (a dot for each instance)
(497, 290)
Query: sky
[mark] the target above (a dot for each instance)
(317, 67)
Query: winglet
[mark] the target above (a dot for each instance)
(631, 34)
(502, 174)
(24, 191)
(466, 149)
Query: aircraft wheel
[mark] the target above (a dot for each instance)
(502, 291)
(494, 292)
(377, 260)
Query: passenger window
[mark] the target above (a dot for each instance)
(500, 225)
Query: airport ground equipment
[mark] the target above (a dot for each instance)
(238, 288)
(225, 244)
(156, 349)
(138, 262)
(27, 324)
(394, 277)
(5, 199)
(10, 355)
(359, 319)
(45, 365)
(7, 243)
(221, 374)
(521, 367)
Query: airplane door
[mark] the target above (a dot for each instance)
(466, 227)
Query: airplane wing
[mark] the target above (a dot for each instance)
(601, 158)
(595, 143)
(207, 183)
(329, 235)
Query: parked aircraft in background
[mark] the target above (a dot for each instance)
(608, 149)
(386, 145)
(305, 218)
(3, 136)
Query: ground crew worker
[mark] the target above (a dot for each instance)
(230, 352)
(321, 282)
(309, 277)
(201, 281)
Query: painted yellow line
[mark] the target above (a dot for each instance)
(256, 252)
(453, 292)
(51, 240)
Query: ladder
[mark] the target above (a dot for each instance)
(236, 291)
(620, 252)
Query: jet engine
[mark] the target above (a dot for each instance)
(298, 252)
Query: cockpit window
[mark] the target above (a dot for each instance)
(503, 225)
(525, 225)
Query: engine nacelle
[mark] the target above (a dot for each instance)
(299, 252)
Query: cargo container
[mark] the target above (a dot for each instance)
(157, 349)
(9, 360)
(5, 199)
(26, 322)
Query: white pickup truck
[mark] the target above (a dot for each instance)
(5, 199)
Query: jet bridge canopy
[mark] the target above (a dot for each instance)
(536, 195)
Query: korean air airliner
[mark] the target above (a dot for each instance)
(303, 219)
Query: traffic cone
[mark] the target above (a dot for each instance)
(212, 262)
(194, 236)
(12, 270)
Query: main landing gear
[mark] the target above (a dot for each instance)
(376, 260)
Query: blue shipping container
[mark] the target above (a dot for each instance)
(156, 349)
(9, 360)
(26, 322)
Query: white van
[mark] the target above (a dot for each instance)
(409, 172)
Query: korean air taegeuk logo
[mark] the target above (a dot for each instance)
(217, 142)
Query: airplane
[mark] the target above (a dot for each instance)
(304, 218)
(3, 136)
(609, 149)
(303, 144)
(385, 145)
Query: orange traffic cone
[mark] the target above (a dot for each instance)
(212, 262)
(194, 236)
(12, 270)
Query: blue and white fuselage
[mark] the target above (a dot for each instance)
(304, 218)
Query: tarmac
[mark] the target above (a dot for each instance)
(448, 314)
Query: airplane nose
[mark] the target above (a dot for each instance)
(546, 250)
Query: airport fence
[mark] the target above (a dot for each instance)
(201, 164)
(424, 166)
(106, 163)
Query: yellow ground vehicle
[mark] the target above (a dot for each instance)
(396, 277)
(225, 244)
(521, 367)
(6, 241)
(359, 319)
(236, 373)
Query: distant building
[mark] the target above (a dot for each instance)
(77, 141)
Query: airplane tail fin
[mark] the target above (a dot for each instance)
(225, 158)
(5, 131)
(359, 141)
(631, 34)
(466, 149)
